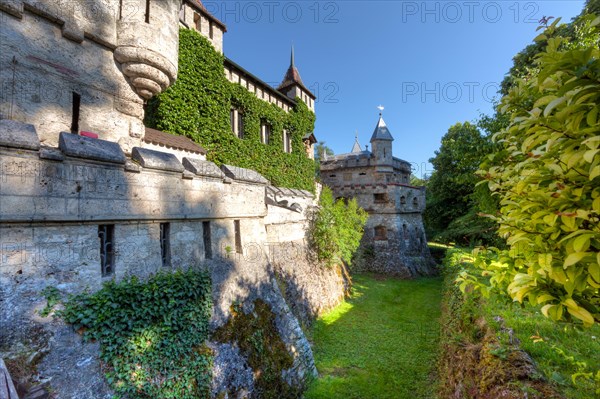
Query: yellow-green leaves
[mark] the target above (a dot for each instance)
(549, 186)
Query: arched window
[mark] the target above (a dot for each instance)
(403, 200)
(415, 202)
(380, 233)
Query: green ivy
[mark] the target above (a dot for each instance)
(152, 334)
(198, 106)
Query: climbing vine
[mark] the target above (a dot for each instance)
(198, 106)
(152, 334)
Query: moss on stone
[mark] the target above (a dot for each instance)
(255, 333)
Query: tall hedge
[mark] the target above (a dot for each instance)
(198, 106)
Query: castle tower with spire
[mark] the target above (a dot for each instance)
(293, 87)
(394, 241)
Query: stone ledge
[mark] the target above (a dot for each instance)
(52, 154)
(84, 147)
(242, 174)
(202, 168)
(18, 135)
(151, 159)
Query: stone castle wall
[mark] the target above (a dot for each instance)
(52, 202)
(98, 59)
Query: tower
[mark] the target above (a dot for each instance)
(292, 85)
(381, 144)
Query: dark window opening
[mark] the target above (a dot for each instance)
(403, 200)
(265, 133)
(405, 231)
(379, 198)
(106, 234)
(238, 236)
(332, 175)
(287, 142)
(362, 173)
(75, 113)
(380, 233)
(211, 32)
(165, 243)
(207, 240)
(415, 202)
(147, 11)
(240, 126)
(198, 22)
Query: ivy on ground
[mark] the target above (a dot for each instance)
(152, 334)
(198, 106)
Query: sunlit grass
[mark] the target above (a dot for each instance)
(381, 343)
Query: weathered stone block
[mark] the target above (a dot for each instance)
(18, 135)
(156, 160)
(84, 147)
(52, 154)
(202, 168)
(242, 174)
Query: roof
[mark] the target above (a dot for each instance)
(230, 63)
(292, 78)
(200, 7)
(356, 147)
(154, 136)
(381, 131)
(311, 137)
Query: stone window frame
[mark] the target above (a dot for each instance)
(287, 141)
(380, 198)
(236, 122)
(106, 236)
(265, 132)
(380, 233)
(165, 243)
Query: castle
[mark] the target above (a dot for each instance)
(394, 241)
(89, 195)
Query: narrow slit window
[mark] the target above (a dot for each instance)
(165, 244)
(211, 32)
(106, 234)
(207, 240)
(75, 113)
(287, 142)
(265, 133)
(147, 11)
(415, 202)
(238, 236)
(198, 22)
(240, 125)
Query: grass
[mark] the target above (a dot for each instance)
(559, 350)
(381, 343)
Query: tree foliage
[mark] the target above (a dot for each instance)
(547, 176)
(337, 228)
(452, 212)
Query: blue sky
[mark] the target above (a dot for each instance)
(430, 63)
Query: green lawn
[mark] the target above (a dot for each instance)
(381, 343)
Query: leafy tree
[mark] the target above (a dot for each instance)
(337, 228)
(321, 151)
(452, 213)
(547, 176)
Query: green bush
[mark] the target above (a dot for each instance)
(337, 228)
(152, 334)
(198, 106)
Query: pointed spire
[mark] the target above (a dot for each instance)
(381, 131)
(292, 64)
(356, 147)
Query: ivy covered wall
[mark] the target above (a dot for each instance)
(198, 106)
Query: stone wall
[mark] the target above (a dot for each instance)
(59, 58)
(52, 202)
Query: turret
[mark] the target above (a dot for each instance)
(381, 143)
(293, 87)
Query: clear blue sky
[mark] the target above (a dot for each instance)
(430, 63)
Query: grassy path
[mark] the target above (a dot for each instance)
(381, 343)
